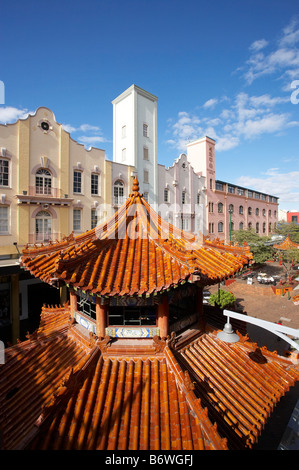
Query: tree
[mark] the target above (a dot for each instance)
(288, 228)
(222, 298)
(258, 245)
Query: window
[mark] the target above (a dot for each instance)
(124, 131)
(123, 155)
(219, 186)
(241, 210)
(270, 227)
(145, 176)
(94, 184)
(211, 184)
(270, 213)
(257, 227)
(256, 195)
(145, 130)
(94, 218)
(231, 189)
(264, 227)
(184, 223)
(250, 225)
(264, 212)
(43, 226)
(4, 172)
(166, 195)
(211, 227)
(241, 226)
(275, 213)
(118, 192)
(184, 197)
(257, 211)
(249, 210)
(231, 208)
(198, 198)
(4, 219)
(77, 220)
(240, 191)
(250, 193)
(145, 153)
(220, 227)
(43, 181)
(211, 207)
(86, 306)
(220, 207)
(77, 188)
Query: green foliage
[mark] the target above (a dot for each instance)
(258, 245)
(222, 298)
(291, 229)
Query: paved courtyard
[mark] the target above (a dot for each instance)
(259, 301)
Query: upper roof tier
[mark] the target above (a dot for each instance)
(134, 252)
(287, 244)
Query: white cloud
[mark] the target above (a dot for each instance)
(283, 185)
(91, 140)
(248, 117)
(282, 59)
(9, 114)
(258, 45)
(210, 103)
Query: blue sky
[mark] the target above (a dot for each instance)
(221, 68)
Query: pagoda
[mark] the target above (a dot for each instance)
(130, 363)
(287, 244)
(135, 275)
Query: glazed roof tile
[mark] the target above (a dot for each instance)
(287, 244)
(135, 252)
(57, 394)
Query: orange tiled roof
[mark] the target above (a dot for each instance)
(133, 253)
(33, 371)
(54, 394)
(287, 244)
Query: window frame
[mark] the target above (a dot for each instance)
(76, 210)
(6, 220)
(2, 173)
(78, 172)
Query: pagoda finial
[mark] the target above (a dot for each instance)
(136, 185)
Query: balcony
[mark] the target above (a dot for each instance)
(44, 194)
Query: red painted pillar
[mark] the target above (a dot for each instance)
(101, 318)
(163, 316)
(73, 303)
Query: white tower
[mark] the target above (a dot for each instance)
(135, 137)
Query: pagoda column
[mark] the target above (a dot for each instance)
(73, 303)
(101, 318)
(163, 316)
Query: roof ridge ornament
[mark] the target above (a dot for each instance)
(135, 187)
